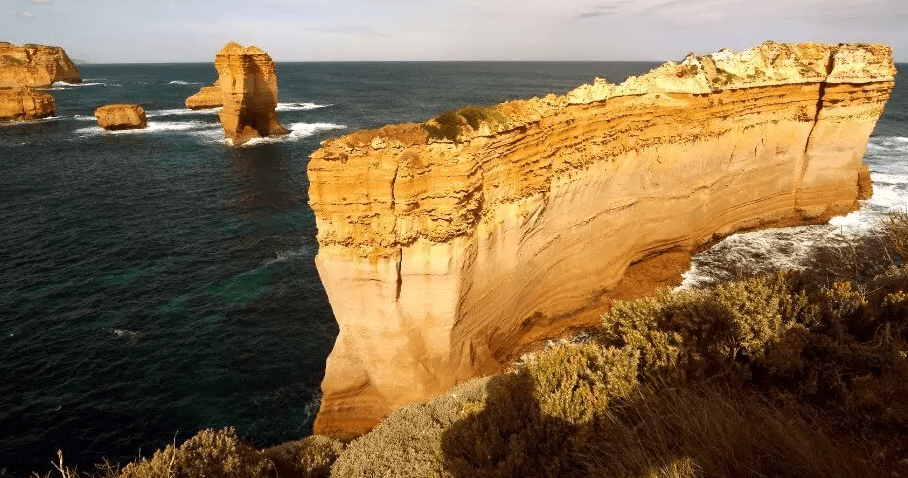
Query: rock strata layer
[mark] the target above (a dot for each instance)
(208, 97)
(448, 248)
(121, 116)
(248, 84)
(37, 66)
(24, 103)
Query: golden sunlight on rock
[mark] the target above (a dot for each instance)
(449, 248)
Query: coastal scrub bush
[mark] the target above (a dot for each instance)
(475, 115)
(310, 457)
(209, 453)
(448, 126)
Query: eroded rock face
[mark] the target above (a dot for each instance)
(249, 93)
(445, 260)
(24, 103)
(37, 66)
(121, 116)
(208, 97)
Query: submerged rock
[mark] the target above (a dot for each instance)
(24, 103)
(449, 248)
(121, 116)
(248, 84)
(37, 66)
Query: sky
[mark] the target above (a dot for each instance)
(163, 31)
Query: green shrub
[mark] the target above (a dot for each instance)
(448, 127)
(475, 115)
(210, 453)
(310, 457)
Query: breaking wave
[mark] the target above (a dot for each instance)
(62, 85)
(299, 106)
(180, 112)
(792, 247)
(157, 127)
(297, 131)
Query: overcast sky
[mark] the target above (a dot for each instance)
(115, 31)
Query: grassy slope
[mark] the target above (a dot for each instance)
(792, 374)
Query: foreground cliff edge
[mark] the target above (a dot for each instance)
(445, 255)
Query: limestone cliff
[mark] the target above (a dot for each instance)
(445, 256)
(116, 117)
(24, 103)
(37, 66)
(208, 97)
(248, 84)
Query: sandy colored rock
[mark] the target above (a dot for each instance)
(208, 97)
(37, 66)
(444, 260)
(248, 84)
(121, 116)
(24, 103)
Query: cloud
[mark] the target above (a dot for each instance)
(601, 11)
(38, 2)
(358, 30)
(28, 15)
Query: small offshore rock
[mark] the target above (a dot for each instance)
(121, 116)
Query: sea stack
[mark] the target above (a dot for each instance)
(37, 66)
(117, 117)
(449, 248)
(248, 84)
(24, 103)
(208, 97)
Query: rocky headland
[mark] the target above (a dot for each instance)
(115, 117)
(37, 66)
(248, 84)
(449, 248)
(24, 103)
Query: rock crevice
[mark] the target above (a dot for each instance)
(445, 259)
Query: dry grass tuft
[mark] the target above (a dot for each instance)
(409, 134)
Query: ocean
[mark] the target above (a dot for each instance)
(157, 282)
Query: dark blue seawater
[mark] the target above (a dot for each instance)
(156, 282)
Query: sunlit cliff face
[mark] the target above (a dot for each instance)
(248, 84)
(444, 260)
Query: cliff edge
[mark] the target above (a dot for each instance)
(248, 83)
(37, 66)
(448, 248)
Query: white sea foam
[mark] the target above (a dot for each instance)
(62, 85)
(125, 333)
(299, 106)
(156, 127)
(181, 82)
(297, 131)
(31, 121)
(791, 248)
(180, 112)
(287, 256)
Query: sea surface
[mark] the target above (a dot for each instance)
(157, 282)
